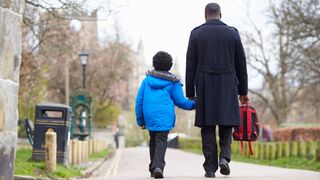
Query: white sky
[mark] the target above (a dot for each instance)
(166, 24)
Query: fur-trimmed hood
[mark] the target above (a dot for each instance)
(163, 75)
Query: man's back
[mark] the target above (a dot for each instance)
(216, 66)
(216, 74)
(217, 43)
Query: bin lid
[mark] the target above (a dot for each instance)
(54, 105)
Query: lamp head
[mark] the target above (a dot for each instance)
(84, 57)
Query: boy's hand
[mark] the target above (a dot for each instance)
(244, 99)
(142, 127)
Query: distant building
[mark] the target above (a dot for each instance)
(138, 73)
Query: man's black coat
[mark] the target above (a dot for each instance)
(216, 73)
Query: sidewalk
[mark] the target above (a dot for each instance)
(132, 163)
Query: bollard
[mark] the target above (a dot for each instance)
(79, 153)
(94, 146)
(86, 157)
(90, 147)
(51, 150)
(83, 151)
(69, 153)
(88, 150)
(84, 146)
(74, 156)
(99, 145)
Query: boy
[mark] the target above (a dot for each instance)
(158, 94)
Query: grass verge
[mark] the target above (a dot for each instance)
(99, 155)
(288, 162)
(27, 167)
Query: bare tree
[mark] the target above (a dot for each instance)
(279, 60)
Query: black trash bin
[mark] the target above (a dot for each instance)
(58, 118)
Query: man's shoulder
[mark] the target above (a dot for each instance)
(198, 27)
(233, 29)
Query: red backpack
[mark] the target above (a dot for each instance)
(249, 127)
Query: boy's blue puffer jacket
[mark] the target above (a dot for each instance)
(155, 103)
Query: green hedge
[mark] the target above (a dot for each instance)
(189, 143)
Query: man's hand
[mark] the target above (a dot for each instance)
(244, 99)
(142, 127)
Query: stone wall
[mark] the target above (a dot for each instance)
(10, 57)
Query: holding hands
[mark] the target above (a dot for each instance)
(243, 99)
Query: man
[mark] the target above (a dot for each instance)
(216, 74)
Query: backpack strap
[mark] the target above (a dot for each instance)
(241, 130)
(249, 127)
(249, 121)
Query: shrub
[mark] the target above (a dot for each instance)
(297, 134)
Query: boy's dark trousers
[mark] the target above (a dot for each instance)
(157, 147)
(209, 146)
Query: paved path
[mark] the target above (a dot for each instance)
(132, 163)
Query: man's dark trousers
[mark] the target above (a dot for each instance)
(209, 146)
(157, 147)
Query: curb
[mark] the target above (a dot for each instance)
(21, 177)
(88, 172)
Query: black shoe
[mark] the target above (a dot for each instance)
(209, 175)
(157, 173)
(151, 174)
(224, 167)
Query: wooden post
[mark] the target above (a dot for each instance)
(90, 146)
(99, 145)
(318, 151)
(260, 151)
(234, 147)
(265, 148)
(93, 146)
(256, 150)
(86, 150)
(284, 149)
(74, 152)
(69, 153)
(300, 146)
(271, 151)
(278, 150)
(308, 150)
(292, 149)
(79, 148)
(51, 150)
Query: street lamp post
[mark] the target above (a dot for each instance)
(84, 59)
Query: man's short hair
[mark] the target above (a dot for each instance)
(162, 61)
(212, 9)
